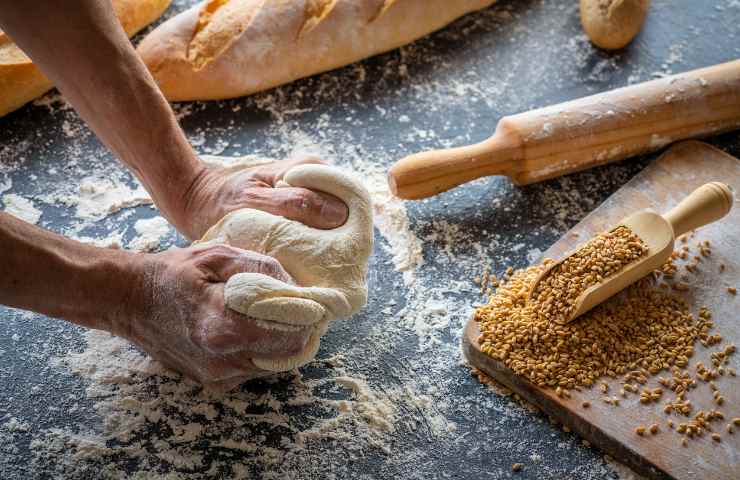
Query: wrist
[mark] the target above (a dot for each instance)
(49, 274)
(187, 206)
(109, 284)
(174, 189)
(196, 205)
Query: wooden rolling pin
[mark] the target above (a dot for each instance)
(545, 143)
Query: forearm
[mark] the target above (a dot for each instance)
(82, 48)
(58, 277)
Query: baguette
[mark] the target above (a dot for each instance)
(229, 48)
(21, 81)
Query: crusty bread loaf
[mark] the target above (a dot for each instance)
(21, 81)
(229, 48)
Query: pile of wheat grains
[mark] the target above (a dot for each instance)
(554, 296)
(643, 331)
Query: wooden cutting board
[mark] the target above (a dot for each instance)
(660, 186)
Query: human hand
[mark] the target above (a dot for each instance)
(177, 314)
(219, 191)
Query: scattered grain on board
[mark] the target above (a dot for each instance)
(636, 335)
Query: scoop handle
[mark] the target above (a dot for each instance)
(705, 205)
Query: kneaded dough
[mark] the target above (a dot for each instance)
(329, 266)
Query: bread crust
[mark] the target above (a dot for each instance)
(230, 48)
(612, 24)
(21, 81)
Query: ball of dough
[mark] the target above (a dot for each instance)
(329, 266)
(612, 24)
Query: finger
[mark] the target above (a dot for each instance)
(232, 333)
(272, 173)
(224, 261)
(314, 209)
(201, 367)
(248, 337)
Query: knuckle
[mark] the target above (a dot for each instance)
(252, 196)
(298, 201)
(204, 252)
(271, 266)
(202, 336)
(221, 250)
(215, 253)
(198, 337)
(213, 342)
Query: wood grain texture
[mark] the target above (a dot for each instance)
(661, 186)
(568, 137)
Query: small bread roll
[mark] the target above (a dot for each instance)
(612, 24)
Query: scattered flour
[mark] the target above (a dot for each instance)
(21, 208)
(113, 240)
(533, 255)
(5, 185)
(135, 394)
(53, 101)
(14, 426)
(392, 222)
(150, 232)
(96, 198)
(337, 410)
(100, 197)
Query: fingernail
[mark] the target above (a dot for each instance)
(334, 212)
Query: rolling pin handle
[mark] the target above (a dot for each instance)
(427, 174)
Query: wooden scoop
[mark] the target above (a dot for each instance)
(553, 141)
(706, 204)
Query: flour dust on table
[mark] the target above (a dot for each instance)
(388, 394)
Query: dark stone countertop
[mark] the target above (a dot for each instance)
(447, 89)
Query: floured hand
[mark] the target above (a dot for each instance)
(329, 266)
(219, 191)
(177, 314)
